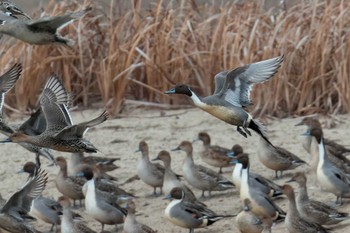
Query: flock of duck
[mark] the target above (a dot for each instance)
(50, 127)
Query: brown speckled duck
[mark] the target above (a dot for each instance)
(314, 211)
(293, 221)
(200, 177)
(215, 156)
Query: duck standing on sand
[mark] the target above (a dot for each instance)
(232, 94)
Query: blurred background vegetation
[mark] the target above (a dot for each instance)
(135, 50)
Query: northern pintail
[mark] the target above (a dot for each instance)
(334, 151)
(40, 31)
(172, 180)
(98, 208)
(331, 178)
(78, 160)
(332, 146)
(45, 209)
(232, 94)
(69, 186)
(247, 222)
(200, 177)
(8, 80)
(293, 221)
(150, 173)
(103, 186)
(11, 214)
(260, 203)
(10, 9)
(60, 133)
(35, 125)
(131, 225)
(257, 181)
(277, 158)
(215, 156)
(68, 224)
(187, 214)
(314, 211)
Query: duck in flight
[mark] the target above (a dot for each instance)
(232, 94)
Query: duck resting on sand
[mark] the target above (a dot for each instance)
(232, 94)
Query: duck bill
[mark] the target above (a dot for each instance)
(299, 124)
(171, 91)
(6, 140)
(167, 197)
(20, 171)
(155, 159)
(231, 154)
(80, 174)
(175, 149)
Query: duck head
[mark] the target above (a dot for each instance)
(16, 137)
(204, 137)
(180, 89)
(175, 193)
(163, 156)
(242, 159)
(309, 121)
(298, 177)
(86, 172)
(143, 147)
(235, 151)
(316, 132)
(28, 167)
(184, 146)
(61, 162)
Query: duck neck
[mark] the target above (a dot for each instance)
(323, 158)
(67, 218)
(237, 172)
(245, 178)
(293, 211)
(196, 100)
(302, 196)
(145, 156)
(63, 170)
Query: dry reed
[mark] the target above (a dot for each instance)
(139, 52)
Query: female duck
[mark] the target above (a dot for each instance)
(315, 211)
(150, 173)
(215, 156)
(200, 177)
(232, 94)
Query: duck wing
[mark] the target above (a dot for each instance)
(219, 81)
(51, 24)
(79, 130)
(21, 200)
(52, 103)
(239, 82)
(8, 80)
(35, 125)
(10, 9)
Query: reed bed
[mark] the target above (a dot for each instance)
(138, 52)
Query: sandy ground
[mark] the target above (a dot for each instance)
(164, 130)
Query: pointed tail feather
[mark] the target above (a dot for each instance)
(260, 129)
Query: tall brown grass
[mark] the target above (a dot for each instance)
(140, 51)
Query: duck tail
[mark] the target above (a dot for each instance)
(260, 129)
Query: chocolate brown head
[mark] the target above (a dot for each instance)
(143, 147)
(61, 162)
(237, 149)
(180, 89)
(310, 122)
(288, 191)
(185, 146)
(316, 132)
(28, 167)
(244, 160)
(18, 137)
(165, 157)
(177, 193)
(64, 201)
(204, 137)
(298, 177)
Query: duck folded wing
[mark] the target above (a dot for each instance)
(239, 82)
(79, 130)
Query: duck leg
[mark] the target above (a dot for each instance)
(37, 161)
(220, 170)
(241, 131)
(191, 230)
(155, 191)
(203, 196)
(103, 226)
(276, 175)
